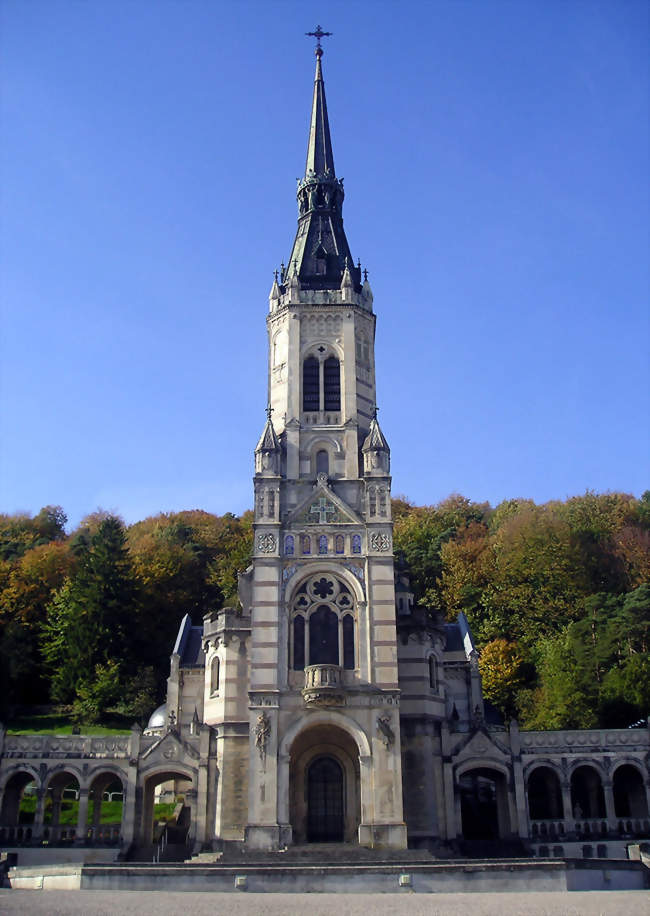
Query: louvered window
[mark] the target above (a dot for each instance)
(310, 392)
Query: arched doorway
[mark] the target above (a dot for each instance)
(61, 814)
(167, 813)
(324, 789)
(484, 804)
(325, 793)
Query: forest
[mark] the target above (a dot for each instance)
(557, 594)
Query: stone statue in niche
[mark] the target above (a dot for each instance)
(262, 735)
(385, 731)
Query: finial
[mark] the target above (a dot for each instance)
(275, 274)
(365, 275)
(269, 411)
(318, 34)
(359, 264)
(375, 411)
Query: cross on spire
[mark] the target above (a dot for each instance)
(269, 411)
(318, 34)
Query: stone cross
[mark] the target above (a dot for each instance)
(324, 508)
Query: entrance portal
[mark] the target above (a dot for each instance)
(325, 801)
(484, 805)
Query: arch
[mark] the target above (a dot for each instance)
(215, 666)
(12, 796)
(183, 780)
(289, 545)
(329, 717)
(19, 768)
(317, 568)
(484, 803)
(587, 795)
(544, 794)
(104, 814)
(629, 792)
(475, 763)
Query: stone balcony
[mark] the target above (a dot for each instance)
(323, 686)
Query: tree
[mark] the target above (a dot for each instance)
(504, 672)
(93, 619)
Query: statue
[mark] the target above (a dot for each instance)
(386, 733)
(262, 735)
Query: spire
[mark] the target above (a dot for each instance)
(320, 158)
(320, 249)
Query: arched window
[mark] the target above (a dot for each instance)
(322, 462)
(372, 501)
(356, 543)
(214, 675)
(305, 543)
(323, 624)
(288, 545)
(433, 672)
(348, 641)
(339, 544)
(382, 501)
(310, 386)
(271, 502)
(322, 543)
(298, 643)
(332, 383)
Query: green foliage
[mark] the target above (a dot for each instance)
(558, 596)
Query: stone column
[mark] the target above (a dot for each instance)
(129, 785)
(518, 779)
(82, 817)
(567, 810)
(39, 814)
(56, 813)
(202, 789)
(610, 810)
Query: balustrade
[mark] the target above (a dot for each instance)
(323, 685)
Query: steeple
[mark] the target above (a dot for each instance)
(320, 250)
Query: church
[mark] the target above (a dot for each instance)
(329, 707)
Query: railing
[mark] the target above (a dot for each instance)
(323, 685)
(160, 846)
(547, 829)
(591, 826)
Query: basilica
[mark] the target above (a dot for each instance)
(329, 706)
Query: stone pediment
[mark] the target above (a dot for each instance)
(323, 507)
(170, 748)
(481, 744)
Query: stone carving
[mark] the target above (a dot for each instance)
(385, 731)
(380, 541)
(266, 543)
(262, 735)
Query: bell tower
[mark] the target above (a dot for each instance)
(323, 691)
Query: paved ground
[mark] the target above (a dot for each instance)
(144, 903)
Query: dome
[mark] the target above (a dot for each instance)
(158, 718)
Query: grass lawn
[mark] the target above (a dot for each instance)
(111, 811)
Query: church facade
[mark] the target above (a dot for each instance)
(329, 707)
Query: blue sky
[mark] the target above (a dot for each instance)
(495, 158)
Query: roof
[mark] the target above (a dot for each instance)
(320, 251)
(453, 638)
(189, 644)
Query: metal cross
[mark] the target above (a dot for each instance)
(324, 508)
(269, 411)
(318, 34)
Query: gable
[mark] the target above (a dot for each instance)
(323, 507)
